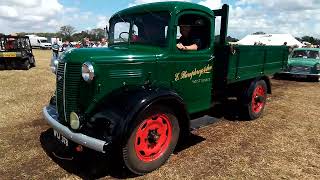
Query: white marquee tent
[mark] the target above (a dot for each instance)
(270, 39)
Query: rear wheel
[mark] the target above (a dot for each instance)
(25, 64)
(316, 79)
(152, 141)
(2, 65)
(255, 98)
(32, 62)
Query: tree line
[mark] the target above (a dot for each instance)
(68, 33)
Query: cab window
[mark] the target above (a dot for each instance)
(194, 29)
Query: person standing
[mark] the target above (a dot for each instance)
(103, 43)
(55, 50)
(86, 43)
(67, 45)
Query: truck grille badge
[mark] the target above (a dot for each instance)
(59, 78)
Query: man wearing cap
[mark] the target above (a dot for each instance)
(188, 41)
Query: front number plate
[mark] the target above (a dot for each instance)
(61, 138)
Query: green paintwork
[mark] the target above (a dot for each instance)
(295, 65)
(253, 61)
(190, 73)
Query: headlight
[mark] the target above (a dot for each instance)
(87, 72)
(54, 65)
(74, 121)
(318, 67)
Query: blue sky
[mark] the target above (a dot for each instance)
(107, 8)
(296, 17)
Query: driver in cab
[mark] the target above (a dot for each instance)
(188, 41)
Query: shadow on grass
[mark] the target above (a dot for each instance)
(87, 165)
(230, 110)
(94, 165)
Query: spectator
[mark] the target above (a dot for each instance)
(55, 50)
(86, 43)
(104, 43)
(67, 45)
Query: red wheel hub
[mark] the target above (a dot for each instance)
(258, 99)
(153, 137)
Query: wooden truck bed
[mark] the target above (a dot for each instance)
(241, 62)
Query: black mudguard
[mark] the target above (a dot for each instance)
(120, 109)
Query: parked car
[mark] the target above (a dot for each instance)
(304, 63)
(16, 52)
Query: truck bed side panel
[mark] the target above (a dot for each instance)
(247, 62)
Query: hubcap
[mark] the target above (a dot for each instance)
(258, 99)
(153, 137)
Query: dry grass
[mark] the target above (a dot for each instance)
(285, 143)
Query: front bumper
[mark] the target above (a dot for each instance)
(306, 74)
(51, 117)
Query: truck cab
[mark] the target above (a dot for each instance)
(138, 95)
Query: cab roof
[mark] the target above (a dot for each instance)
(171, 6)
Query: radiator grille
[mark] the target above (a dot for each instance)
(68, 79)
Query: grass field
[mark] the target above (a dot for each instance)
(283, 144)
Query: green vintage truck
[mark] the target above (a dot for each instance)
(135, 98)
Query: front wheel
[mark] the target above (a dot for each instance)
(155, 135)
(256, 97)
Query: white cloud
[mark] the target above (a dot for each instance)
(212, 4)
(288, 5)
(138, 2)
(28, 15)
(44, 16)
(297, 17)
(7, 12)
(102, 21)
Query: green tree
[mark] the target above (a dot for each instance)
(66, 32)
(97, 34)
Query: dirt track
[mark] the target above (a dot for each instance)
(284, 143)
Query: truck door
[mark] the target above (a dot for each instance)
(193, 68)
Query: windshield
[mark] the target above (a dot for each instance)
(148, 28)
(312, 54)
(43, 41)
(13, 43)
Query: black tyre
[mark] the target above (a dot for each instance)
(255, 99)
(9, 65)
(32, 62)
(2, 66)
(315, 79)
(152, 141)
(25, 64)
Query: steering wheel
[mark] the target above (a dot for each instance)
(120, 36)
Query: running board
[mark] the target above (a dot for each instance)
(202, 122)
